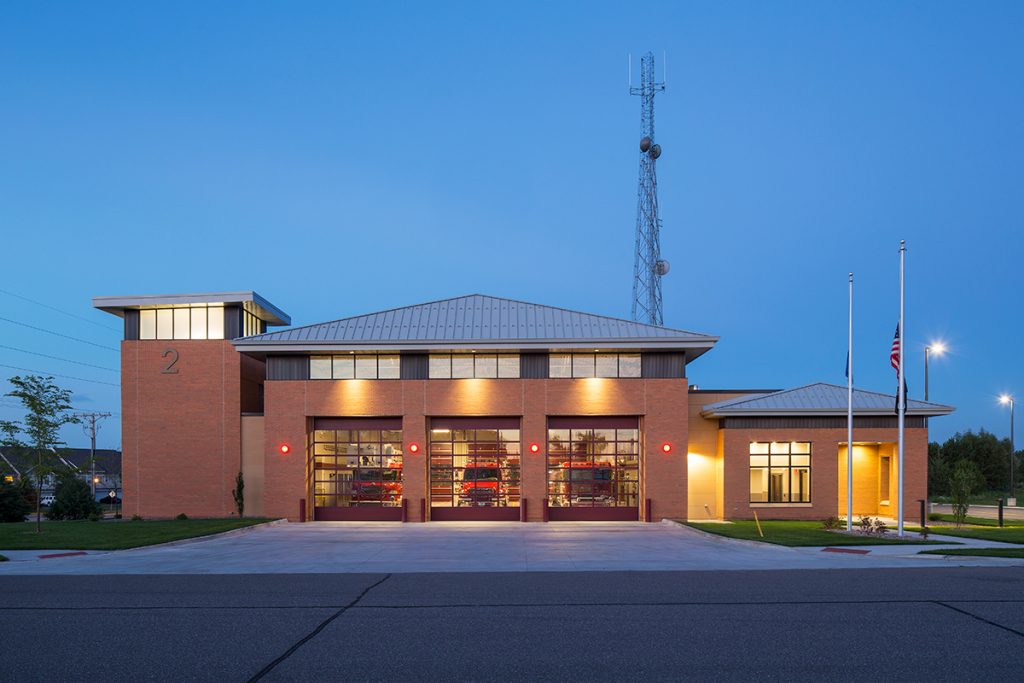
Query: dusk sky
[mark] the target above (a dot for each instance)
(342, 158)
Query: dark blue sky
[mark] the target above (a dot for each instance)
(343, 158)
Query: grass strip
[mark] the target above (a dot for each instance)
(794, 534)
(112, 534)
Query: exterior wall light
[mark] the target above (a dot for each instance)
(666, 448)
(414, 448)
(534, 448)
(285, 449)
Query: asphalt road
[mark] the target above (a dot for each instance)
(795, 625)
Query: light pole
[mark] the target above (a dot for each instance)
(1008, 399)
(938, 348)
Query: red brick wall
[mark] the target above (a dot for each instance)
(181, 441)
(824, 470)
(662, 403)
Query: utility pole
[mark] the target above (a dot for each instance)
(91, 426)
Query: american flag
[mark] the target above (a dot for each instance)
(894, 355)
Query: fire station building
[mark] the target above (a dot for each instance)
(477, 408)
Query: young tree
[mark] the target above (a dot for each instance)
(47, 409)
(238, 493)
(965, 479)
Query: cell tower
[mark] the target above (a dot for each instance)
(648, 266)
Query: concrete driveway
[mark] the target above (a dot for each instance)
(344, 547)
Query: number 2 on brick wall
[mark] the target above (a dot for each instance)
(169, 369)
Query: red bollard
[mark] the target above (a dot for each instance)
(546, 516)
(405, 510)
(522, 510)
(302, 509)
(423, 509)
(647, 510)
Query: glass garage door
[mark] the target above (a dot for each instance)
(357, 469)
(593, 468)
(475, 469)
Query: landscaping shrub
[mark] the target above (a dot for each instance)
(13, 505)
(95, 516)
(934, 517)
(182, 516)
(72, 499)
(136, 518)
(832, 523)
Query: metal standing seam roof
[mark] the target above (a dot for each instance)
(819, 399)
(476, 318)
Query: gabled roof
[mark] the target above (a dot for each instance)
(481, 322)
(819, 399)
(107, 460)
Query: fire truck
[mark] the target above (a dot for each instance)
(378, 486)
(591, 483)
(482, 486)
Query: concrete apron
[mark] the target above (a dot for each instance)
(346, 547)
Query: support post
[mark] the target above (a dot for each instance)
(1001, 501)
(924, 514)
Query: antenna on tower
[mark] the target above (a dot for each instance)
(648, 266)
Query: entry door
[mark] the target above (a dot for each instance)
(475, 469)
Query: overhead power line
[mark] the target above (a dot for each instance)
(15, 404)
(66, 360)
(58, 310)
(58, 334)
(54, 374)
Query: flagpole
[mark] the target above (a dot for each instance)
(901, 402)
(849, 420)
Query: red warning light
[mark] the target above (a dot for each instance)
(666, 447)
(534, 448)
(414, 448)
(285, 449)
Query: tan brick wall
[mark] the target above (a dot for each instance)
(825, 480)
(705, 464)
(180, 430)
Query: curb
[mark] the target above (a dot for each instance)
(686, 528)
(200, 539)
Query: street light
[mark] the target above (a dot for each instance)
(1008, 399)
(938, 348)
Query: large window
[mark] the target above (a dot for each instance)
(593, 467)
(355, 366)
(200, 321)
(357, 467)
(465, 366)
(594, 365)
(780, 472)
(251, 324)
(474, 467)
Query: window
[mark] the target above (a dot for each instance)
(466, 366)
(357, 467)
(593, 467)
(251, 324)
(884, 472)
(200, 321)
(594, 365)
(472, 468)
(356, 366)
(780, 472)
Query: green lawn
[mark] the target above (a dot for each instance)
(1009, 534)
(984, 498)
(111, 535)
(793, 533)
(977, 521)
(979, 552)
